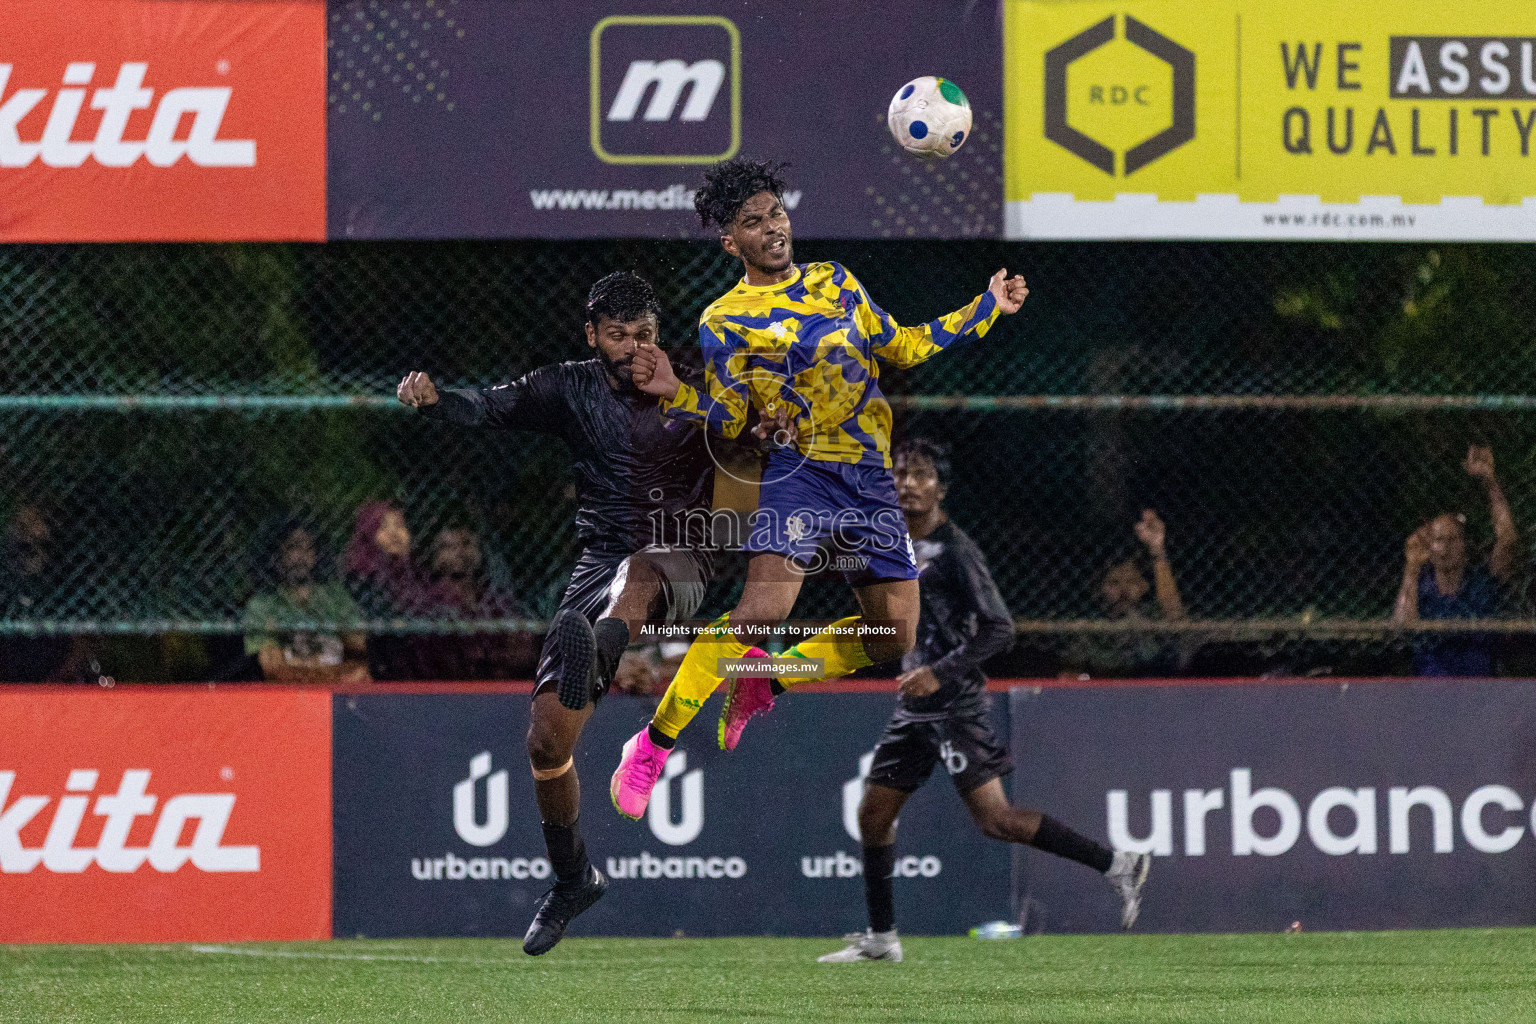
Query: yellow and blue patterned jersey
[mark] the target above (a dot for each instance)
(814, 341)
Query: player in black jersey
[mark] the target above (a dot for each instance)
(941, 716)
(637, 475)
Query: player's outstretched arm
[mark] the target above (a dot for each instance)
(908, 346)
(652, 373)
(416, 390)
(721, 406)
(532, 402)
(1010, 292)
(466, 408)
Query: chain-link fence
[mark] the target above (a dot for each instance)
(1292, 412)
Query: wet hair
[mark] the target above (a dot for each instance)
(623, 296)
(729, 184)
(926, 448)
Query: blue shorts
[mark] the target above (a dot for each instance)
(832, 515)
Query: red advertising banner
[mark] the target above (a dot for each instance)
(165, 815)
(162, 120)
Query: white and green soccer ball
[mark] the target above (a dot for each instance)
(929, 117)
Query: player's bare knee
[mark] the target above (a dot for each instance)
(891, 647)
(877, 816)
(634, 590)
(876, 826)
(547, 747)
(993, 825)
(767, 608)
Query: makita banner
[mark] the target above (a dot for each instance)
(437, 832)
(1336, 805)
(126, 120)
(164, 815)
(520, 118)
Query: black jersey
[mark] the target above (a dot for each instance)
(636, 471)
(963, 622)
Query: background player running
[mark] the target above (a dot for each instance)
(941, 715)
(629, 463)
(801, 344)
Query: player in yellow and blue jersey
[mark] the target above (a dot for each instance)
(801, 344)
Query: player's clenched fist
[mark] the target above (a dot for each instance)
(651, 371)
(1010, 292)
(416, 390)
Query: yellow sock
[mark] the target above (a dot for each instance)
(839, 647)
(696, 678)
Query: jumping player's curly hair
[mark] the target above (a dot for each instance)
(730, 183)
(623, 296)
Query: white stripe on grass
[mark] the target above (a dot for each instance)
(295, 954)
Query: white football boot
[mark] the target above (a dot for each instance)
(1128, 874)
(866, 945)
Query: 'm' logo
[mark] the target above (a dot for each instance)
(1138, 107)
(669, 77)
(665, 89)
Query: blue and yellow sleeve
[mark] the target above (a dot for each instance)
(723, 409)
(908, 346)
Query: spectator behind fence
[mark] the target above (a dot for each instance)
(1125, 596)
(288, 650)
(388, 583)
(1438, 584)
(461, 590)
(30, 589)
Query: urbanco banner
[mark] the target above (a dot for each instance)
(1341, 806)
(165, 814)
(1270, 119)
(162, 120)
(437, 832)
(519, 118)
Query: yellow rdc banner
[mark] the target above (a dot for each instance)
(1270, 119)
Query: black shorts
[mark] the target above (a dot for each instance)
(964, 744)
(598, 578)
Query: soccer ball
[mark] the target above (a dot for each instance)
(929, 117)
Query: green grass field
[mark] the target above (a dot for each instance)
(1438, 977)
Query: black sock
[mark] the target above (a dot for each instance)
(879, 861)
(612, 639)
(567, 853)
(660, 738)
(1054, 837)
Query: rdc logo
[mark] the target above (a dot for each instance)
(1112, 110)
